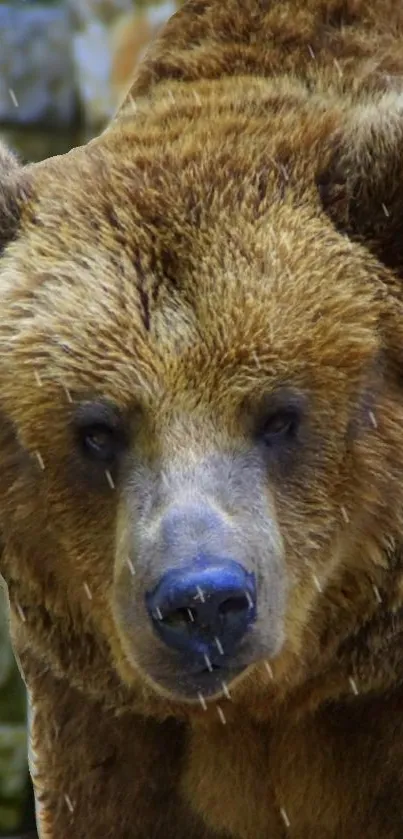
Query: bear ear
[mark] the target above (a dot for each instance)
(12, 196)
(361, 189)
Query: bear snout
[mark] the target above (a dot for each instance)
(206, 599)
(205, 608)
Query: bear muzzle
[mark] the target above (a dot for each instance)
(205, 608)
(197, 613)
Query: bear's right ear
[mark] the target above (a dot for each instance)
(361, 187)
(12, 196)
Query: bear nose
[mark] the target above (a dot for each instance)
(204, 608)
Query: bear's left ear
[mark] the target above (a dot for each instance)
(13, 193)
(361, 188)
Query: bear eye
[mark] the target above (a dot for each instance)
(278, 418)
(99, 442)
(99, 433)
(280, 425)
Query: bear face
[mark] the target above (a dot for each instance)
(199, 381)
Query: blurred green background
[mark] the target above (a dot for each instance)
(64, 67)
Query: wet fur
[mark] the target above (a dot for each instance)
(247, 123)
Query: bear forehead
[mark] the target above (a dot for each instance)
(272, 314)
(138, 262)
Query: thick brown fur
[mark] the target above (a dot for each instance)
(238, 228)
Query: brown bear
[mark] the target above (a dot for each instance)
(201, 396)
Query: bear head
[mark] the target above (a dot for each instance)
(200, 389)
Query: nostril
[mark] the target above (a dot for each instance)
(234, 605)
(177, 619)
(185, 617)
(204, 608)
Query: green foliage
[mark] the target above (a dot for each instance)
(21, 3)
(13, 735)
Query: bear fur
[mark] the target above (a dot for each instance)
(234, 236)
